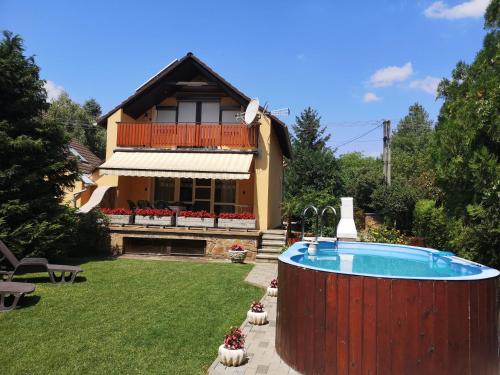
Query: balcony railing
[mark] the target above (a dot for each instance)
(187, 135)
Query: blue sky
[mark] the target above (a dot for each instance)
(356, 62)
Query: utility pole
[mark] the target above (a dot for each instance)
(386, 156)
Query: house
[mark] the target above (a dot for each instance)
(178, 140)
(81, 191)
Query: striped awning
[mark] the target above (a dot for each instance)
(216, 165)
(95, 199)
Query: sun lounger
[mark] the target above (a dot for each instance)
(58, 273)
(17, 290)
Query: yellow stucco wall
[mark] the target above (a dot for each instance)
(267, 178)
(132, 188)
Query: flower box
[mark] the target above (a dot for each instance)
(120, 219)
(245, 220)
(256, 315)
(118, 216)
(236, 223)
(196, 219)
(232, 352)
(237, 256)
(167, 221)
(207, 222)
(154, 217)
(231, 357)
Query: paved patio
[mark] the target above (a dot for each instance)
(262, 357)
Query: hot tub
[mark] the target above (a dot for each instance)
(366, 308)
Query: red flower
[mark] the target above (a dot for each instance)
(243, 215)
(200, 214)
(153, 212)
(237, 247)
(274, 283)
(257, 307)
(116, 211)
(234, 339)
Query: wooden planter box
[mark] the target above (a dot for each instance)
(236, 223)
(207, 222)
(167, 221)
(120, 219)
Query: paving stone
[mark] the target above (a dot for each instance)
(262, 356)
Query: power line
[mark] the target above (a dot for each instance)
(358, 137)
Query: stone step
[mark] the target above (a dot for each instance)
(269, 247)
(267, 258)
(273, 243)
(269, 250)
(272, 236)
(275, 231)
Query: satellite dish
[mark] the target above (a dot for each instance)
(251, 111)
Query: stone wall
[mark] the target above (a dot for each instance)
(218, 243)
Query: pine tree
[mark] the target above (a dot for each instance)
(312, 176)
(34, 167)
(308, 132)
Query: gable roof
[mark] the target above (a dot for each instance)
(87, 160)
(154, 90)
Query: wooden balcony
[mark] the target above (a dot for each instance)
(186, 135)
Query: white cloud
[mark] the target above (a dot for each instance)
(471, 8)
(53, 90)
(371, 97)
(428, 84)
(391, 74)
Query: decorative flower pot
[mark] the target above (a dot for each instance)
(272, 292)
(236, 223)
(257, 318)
(184, 221)
(231, 357)
(237, 256)
(167, 221)
(120, 219)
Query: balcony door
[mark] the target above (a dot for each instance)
(195, 111)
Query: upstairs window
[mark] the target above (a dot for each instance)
(166, 114)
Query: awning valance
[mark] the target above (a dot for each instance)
(216, 165)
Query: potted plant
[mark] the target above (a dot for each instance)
(245, 220)
(237, 254)
(232, 352)
(151, 216)
(118, 216)
(196, 219)
(272, 289)
(256, 315)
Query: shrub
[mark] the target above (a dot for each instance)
(91, 235)
(116, 211)
(274, 283)
(431, 222)
(257, 307)
(396, 203)
(234, 339)
(243, 215)
(384, 234)
(154, 212)
(200, 214)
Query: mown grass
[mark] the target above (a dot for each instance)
(126, 317)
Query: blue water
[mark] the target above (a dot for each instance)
(382, 260)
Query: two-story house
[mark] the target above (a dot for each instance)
(178, 139)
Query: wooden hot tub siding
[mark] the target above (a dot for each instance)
(330, 323)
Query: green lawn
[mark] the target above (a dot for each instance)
(127, 317)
